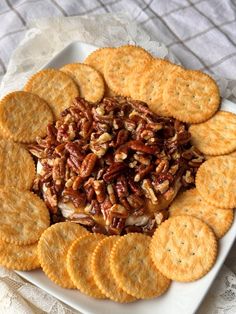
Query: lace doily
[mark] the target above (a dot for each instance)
(42, 42)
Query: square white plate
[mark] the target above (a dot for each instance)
(181, 297)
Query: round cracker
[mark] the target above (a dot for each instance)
(90, 81)
(16, 165)
(19, 257)
(97, 59)
(24, 116)
(191, 203)
(56, 87)
(184, 248)
(191, 96)
(148, 85)
(102, 272)
(79, 264)
(233, 154)
(216, 180)
(52, 250)
(221, 134)
(25, 216)
(133, 269)
(121, 63)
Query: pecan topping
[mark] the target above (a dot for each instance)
(108, 158)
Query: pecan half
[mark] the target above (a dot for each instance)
(88, 165)
(114, 170)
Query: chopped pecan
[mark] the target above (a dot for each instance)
(111, 193)
(150, 227)
(135, 201)
(162, 187)
(94, 208)
(142, 172)
(116, 225)
(60, 149)
(37, 150)
(77, 183)
(187, 178)
(87, 165)
(122, 187)
(118, 210)
(145, 160)
(82, 219)
(141, 147)
(75, 150)
(121, 153)
(163, 166)
(113, 171)
(121, 138)
(125, 203)
(148, 191)
(50, 198)
(89, 190)
(76, 197)
(161, 216)
(169, 194)
(134, 187)
(99, 188)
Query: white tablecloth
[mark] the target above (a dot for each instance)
(202, 35)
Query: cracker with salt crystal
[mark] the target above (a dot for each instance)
(120, 65)
(79, 264)
(89, 80)
(24, 116)
(16, 165)
(102, 272)
(148, 85)
(216, 181)
(221, 134)
(191, 203)
(184, 248)
(56, 87)
(133, 269)
(191, 96)
(19, 257)
(52, 250)
(25, 216)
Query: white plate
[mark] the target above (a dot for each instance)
(180, 298)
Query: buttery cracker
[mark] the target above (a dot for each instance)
(102, 272)
(221, 134)
(148, 85)
(97, 59)
(25, 216)
(55, 87)
(191, 96)
(52, 250)
(191, 203)
(90, 81)
(120, 65)
(79, 265)
(216, 181)
(24, 116)
(19, 257)
(16, 165)
(133, 269)
(184, 248)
